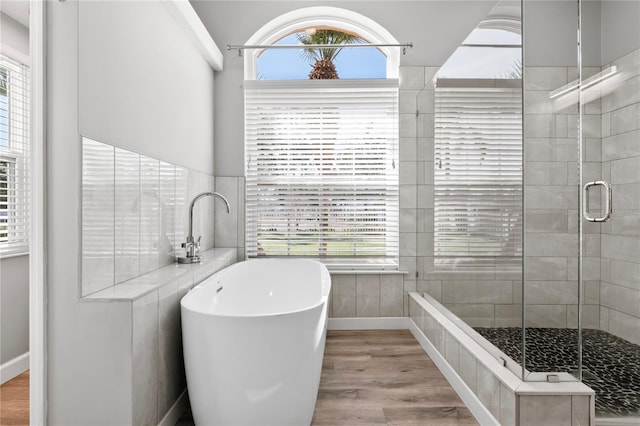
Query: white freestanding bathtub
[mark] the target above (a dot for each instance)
(253, 337)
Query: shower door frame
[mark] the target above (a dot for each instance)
(546, 376)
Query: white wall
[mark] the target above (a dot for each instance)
(620, 32)
(435, 27)
(550, 33)
(88, 382)
(14, 271)
(15, 38)
(14, 307)
(609, 31)
(142, 85)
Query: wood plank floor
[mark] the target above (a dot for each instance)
(368, 377)
(381, 377)
(384, 377)
(14, 401)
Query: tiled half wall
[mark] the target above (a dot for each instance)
(510, 400)
(135, 214)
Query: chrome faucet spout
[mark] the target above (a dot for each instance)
(191, 246)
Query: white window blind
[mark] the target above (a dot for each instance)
(321, 175)
(478, 177)
(14, 157)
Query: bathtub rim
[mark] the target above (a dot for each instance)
(324, 288)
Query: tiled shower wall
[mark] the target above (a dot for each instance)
(229, 228)
(620, 250)
(551, 201)
(493, 298)
(611, 251)
(487, 298)
(386, 295)
(135, 214)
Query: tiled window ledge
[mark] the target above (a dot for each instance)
(213, 260)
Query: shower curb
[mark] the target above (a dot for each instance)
(477, 408)
(509, 399)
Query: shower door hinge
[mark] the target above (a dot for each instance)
(553, 378)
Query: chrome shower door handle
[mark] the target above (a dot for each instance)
(607, 201)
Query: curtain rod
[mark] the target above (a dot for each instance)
(506, 46)
(240, 48)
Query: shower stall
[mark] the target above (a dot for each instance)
(536, 195)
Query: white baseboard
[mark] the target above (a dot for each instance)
(176, 410)
(384, 323)
(479, 411)
(14, 367)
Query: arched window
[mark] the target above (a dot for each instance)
(321, 155)
(321, 17)
(291, 64)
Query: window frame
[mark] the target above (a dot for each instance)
(340, 19)
(375, 263)
(17, 154)
(320, 16)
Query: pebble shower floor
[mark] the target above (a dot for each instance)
(611, 365)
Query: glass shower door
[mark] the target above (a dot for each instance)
(610, 114)
(553, 169)
(581, 287)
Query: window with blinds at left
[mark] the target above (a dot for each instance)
(14, 157)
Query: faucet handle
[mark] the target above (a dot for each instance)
(197, 244)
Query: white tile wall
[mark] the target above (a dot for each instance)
(343, 294)
(488, 388)
(620, 239)
(167, 238)
(391, 291)
(135, 214)
(127, 215)
(145, 360)
(467, 369)
(228, 231)
(98, 216)
(181, 204)
(170, 363)
(149, 197)
(552, 410)
(367, 295)
(474, 314)
(153, 370)
(507, 415)
(452, 351)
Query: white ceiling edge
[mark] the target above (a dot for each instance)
(190, 22)
(16, 9)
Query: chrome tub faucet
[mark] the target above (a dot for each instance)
(191, 246)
